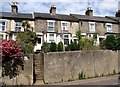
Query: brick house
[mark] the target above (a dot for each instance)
(53, 27)
(11, 22)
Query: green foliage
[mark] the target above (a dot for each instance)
(110, 42)
(60, 46)
(53, 47)
(86, 44)
(78, 34)
(95, 36)
(27, 39)
(72, 47)
(12, 58)
(81, 76)
(46, 48)
(25, 25)
(118, 43)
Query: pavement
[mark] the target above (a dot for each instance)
(109, 81)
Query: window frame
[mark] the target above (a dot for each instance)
(92, 29)
(64, 27)
(51, 40)
(1, 29)
(51, 26)
(66, 39)
(18, 26)
(107, 28)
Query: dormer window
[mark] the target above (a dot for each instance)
(91, 27)
(109, 27)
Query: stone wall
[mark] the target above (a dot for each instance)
(63, 66)
(25, 77)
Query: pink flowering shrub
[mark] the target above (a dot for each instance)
(12, 58)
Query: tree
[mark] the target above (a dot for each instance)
(12, 58)
(78, 34)
(110, 42)
(27, 39)
(25, 25)
(60, 46)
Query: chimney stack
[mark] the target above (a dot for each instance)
(53, 10)
(118, 12)
(89, 11)
(14, 8)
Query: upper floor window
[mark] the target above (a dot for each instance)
(91, 27)
(64, 25)
(51, 25)
(2, 25)
(18, 26)
(109, 27)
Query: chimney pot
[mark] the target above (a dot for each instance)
(53, 9)
(117, 13)
(14, 9)
(89, 11)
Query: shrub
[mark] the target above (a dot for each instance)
(110, 42)
(117, 43)
(12, 58)
(73, 46)
(67, 48)
(60, 46)
(86, 44)
(46, 47)
(53, 47)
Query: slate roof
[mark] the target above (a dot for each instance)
(92, 18)
(114, 18)
(9, 15)
(55, 17)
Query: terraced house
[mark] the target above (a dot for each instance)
(11, 22)
(53, 27)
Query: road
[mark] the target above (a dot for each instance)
(111, 81)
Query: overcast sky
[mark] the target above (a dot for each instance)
(100, 7)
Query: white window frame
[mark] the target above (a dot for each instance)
(66, 38)
(2, 20)
(92, 30)
(53, 21)
(19, 26)
(51, 38)
(108, 29)
(64, 27)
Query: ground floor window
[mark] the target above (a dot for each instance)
(66, 39)
(51, 37)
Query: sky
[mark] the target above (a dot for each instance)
(100, 7)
